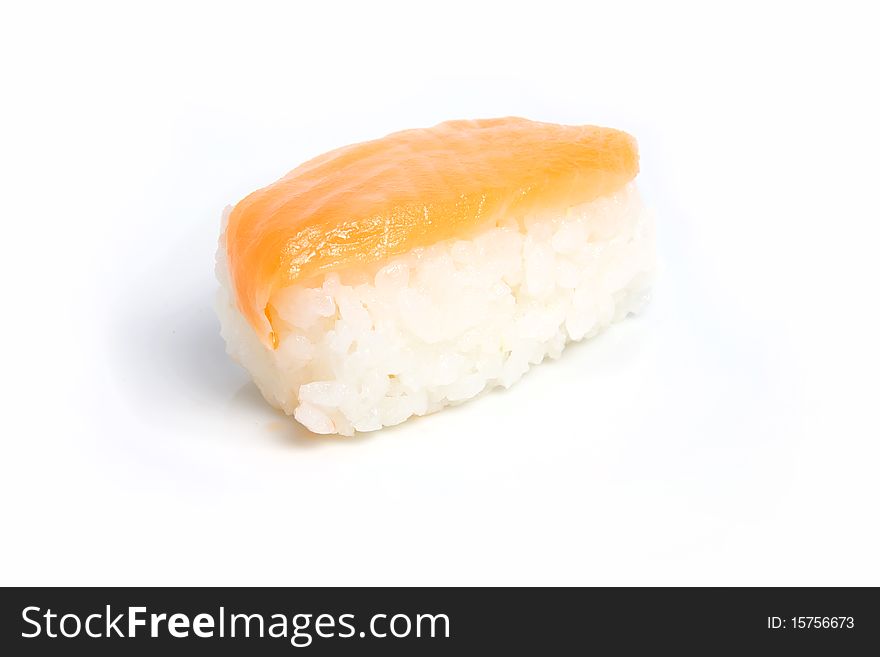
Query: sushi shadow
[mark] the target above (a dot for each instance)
(283, 429)
(172, 354)
(286, 431)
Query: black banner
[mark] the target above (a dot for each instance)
(410, 621)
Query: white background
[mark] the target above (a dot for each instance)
(730, 435)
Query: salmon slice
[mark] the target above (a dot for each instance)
(373, 200)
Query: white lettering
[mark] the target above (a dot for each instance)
(24, 616)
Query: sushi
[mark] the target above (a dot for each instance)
(390, 278)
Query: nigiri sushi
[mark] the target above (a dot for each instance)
(390, 278)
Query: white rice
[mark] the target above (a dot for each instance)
(371, 346)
